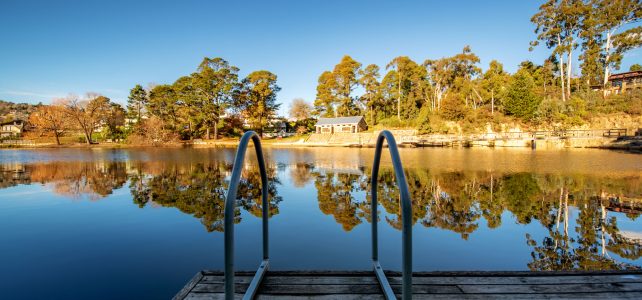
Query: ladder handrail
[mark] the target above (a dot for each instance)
(406, 218)
(230, 205)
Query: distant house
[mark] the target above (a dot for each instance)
(12, 128)
(341, 124)
(623, 82)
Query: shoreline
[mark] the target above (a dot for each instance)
(631, 144)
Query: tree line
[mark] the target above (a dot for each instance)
(455, 87)
(208, 100)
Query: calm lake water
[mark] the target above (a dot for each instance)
(139, 223)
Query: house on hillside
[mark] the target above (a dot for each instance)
(12, 128)
(341, 124)
(623, 83)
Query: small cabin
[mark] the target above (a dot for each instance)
(11, 129)
(341, 125)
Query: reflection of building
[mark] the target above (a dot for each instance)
(624, 82)
(341, 124)
(625, 205)
(11, 128)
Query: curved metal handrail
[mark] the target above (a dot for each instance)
(230, 205)
(406, 218)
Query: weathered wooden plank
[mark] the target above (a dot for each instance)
(440, 273)
(550, 288)
(574, 296)
(188, 287)
(210, 296)
(272, 279)
(350, 289)
(323, 297)
(521, 280)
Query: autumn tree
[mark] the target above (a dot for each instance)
(89, 113)
(51, 119)
(635, 67)
(300, 110)
(258, 97)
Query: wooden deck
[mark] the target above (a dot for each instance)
(426, 285)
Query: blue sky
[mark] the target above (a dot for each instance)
(49, 49)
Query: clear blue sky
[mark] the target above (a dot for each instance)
(49, 49)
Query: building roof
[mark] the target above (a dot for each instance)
(626, 75)
(340, 120)
(16, 122)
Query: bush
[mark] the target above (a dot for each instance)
(520, 100)
(453, 108)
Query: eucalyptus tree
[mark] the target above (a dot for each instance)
(369, 80)
(403, 65)
(494, 80)
(610, 24)
(558, 22)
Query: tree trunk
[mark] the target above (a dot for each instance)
(399, 99)
(607, 50)
(207, 132)
(492, 102)
(56, 134)
(561, 63)
(216, 130)
(568, 72)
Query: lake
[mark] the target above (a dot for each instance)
(139, 223)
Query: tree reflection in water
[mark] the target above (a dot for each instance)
(577, 212)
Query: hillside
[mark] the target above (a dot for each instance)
(10, 110)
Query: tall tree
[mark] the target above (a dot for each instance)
(494, 81)
(608, 24)
(215, 82)
(89, 113)
(557, 24)
(136, 103)
(403, 65)
(369, 80)
(162, 104)
(345, 79)
(324, 102)
(258, 94)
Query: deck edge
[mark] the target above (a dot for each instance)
(189, 286)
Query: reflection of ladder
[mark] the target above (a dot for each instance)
(406, 215)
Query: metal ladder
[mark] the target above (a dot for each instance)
(406, 215)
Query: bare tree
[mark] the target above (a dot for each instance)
(89, 113)
(300, 110)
